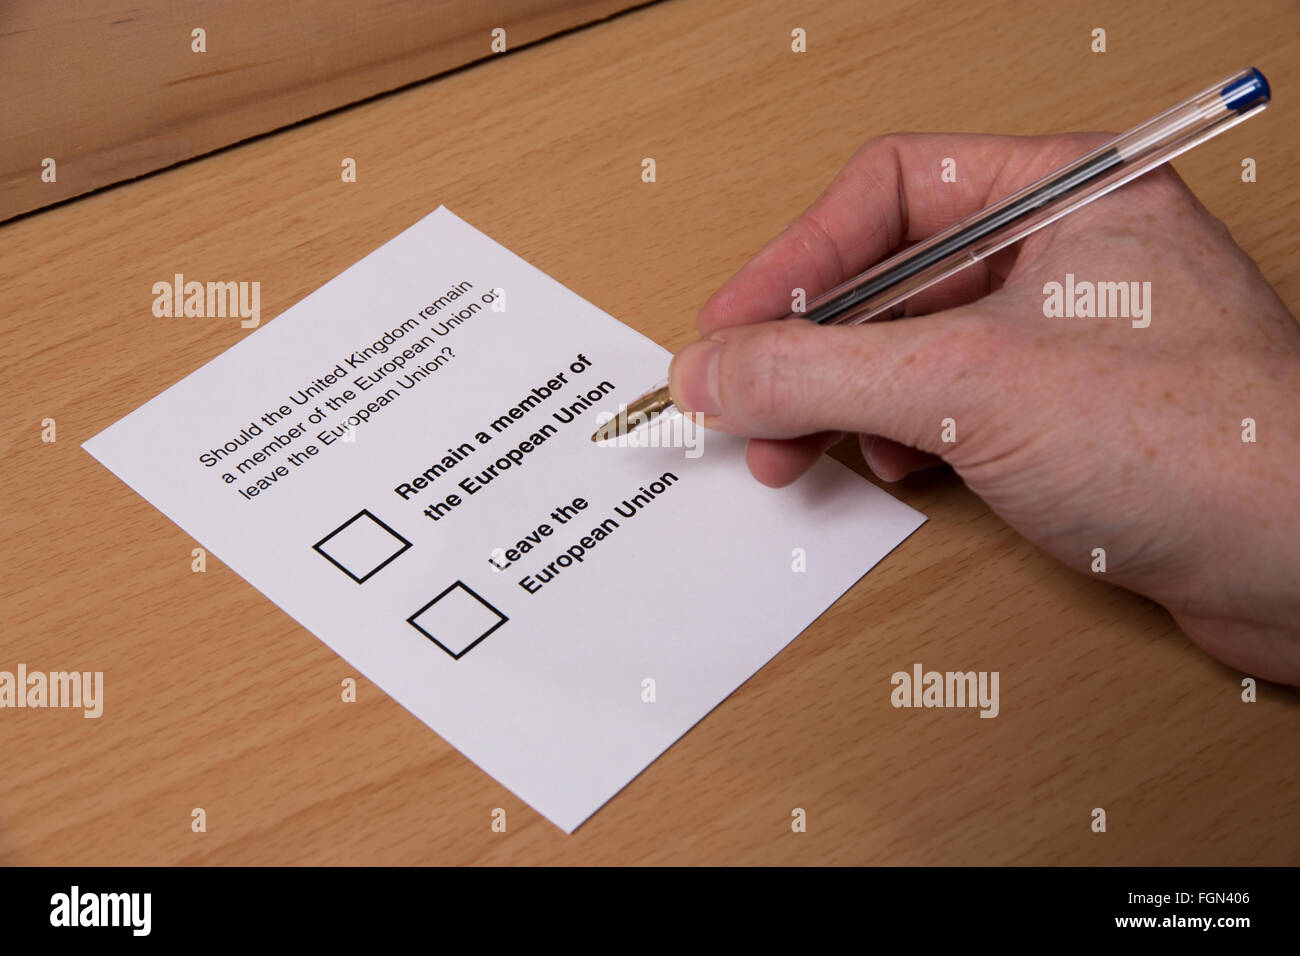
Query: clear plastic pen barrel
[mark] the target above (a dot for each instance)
(878, 290)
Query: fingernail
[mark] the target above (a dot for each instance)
(867, 448)
(694, 377)
(869, 456)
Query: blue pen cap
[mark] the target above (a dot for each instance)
(1247, 92)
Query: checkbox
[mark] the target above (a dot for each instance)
(457, 619)
(361, 546)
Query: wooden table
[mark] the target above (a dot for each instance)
(216, 699)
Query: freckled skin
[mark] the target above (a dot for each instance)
(1079, 432)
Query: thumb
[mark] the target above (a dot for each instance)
(791, 377)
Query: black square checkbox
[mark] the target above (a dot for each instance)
(361, 546)
(457, 619)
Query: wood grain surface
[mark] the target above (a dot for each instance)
(112, 89)
(217, 699)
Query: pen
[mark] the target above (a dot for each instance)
(1126, 157)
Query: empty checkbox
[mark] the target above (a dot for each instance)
(457, 619)
(361, 546)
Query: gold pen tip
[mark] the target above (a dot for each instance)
(608, 430)
(634, 415)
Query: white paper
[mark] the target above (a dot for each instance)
(599, 670)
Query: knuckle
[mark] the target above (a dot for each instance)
(876, 145)
(760, 382)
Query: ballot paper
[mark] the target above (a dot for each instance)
(403, 463)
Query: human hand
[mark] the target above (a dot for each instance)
(1081, 433)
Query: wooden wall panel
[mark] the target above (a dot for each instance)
(113, 89)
